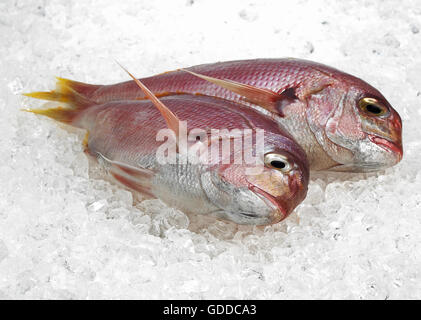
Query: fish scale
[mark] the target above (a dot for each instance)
(122, 137)
(302, 96)
(254, 72)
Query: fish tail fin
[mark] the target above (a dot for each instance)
(65, 115)
(65, 92)
(82, 88)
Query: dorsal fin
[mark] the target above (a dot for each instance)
(265, 98)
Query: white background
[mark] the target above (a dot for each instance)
(67, 233)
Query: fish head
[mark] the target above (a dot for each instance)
(356, 126)
(263, 193)
(282, 184)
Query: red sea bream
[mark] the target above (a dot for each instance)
(122, 135)
(342, 122)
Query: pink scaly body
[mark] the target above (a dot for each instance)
(122, 135)
(273, 74)
(133, 125)
(342, 122)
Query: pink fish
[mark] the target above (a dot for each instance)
(122, 136)
(342, 122)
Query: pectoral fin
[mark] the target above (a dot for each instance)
(136, 178)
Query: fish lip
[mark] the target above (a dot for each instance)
(278, 212)
(387, 145)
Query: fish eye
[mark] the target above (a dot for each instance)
(373, 107)
(278, 162)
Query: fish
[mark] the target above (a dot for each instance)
(123, 136)
(342, 122)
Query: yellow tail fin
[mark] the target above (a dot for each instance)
(65, 92)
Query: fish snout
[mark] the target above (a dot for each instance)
(394, 146)
(297, 183)
(277, 210)
(396, 137)
(387, 134)
(283, 205)
(389, 137)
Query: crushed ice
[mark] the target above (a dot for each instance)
(67, 233)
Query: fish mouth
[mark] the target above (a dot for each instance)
(387, 145)
(278, 211)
